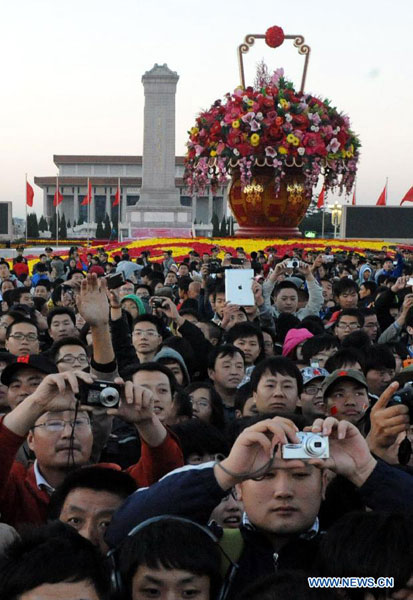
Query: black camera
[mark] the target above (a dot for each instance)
(404, 396)
(100, 393)
(115, 281)
(158, 303)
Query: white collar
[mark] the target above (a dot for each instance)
(41, 481)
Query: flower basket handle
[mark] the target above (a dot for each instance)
(280, 37)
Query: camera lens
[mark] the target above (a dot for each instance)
(314, 445)
(109, 397)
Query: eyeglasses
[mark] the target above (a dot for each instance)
(371, 326)
(200, 403)
(232, 493)
(58, 425)
(312, 390)
(30, 337)
(351, 326)
(149, 332)
(69, 359)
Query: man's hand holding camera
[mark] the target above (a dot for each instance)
(56, 393)
(136, 407)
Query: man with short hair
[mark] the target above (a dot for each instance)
(348, 320)
(286, 292)
(22, 295)
(277, 385)
(345, 293)
(61, 323)
(69, 353)
(22, 338)
(127, 288)
(371, 324)
(43, 290)
(146, 337)
(5, 273)
(380, 368)
(226, 369)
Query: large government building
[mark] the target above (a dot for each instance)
(154, 200)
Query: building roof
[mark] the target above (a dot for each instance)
(78, 159)
(82, 181)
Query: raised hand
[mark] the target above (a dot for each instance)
(92, 301)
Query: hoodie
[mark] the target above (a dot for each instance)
(172, 354)
(364, 268)
(140, 305)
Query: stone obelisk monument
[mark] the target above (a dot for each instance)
(159, 203)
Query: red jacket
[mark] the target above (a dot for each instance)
(21, 501)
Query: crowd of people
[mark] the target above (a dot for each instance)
(160, 442)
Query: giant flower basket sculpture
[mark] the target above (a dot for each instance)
(272, 143)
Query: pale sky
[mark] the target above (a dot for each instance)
(71, 76)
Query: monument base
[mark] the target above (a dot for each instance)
(155, 217)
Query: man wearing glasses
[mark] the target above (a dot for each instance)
(311, 400)
(69, 354)
(348, 320)
(22, 338)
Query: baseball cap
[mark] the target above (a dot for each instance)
(351, 374)
(311, 373)
(32, 361)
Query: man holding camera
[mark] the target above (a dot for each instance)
(58, 431)
(281, 496)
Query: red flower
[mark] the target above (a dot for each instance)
(274, 36)
(314, 144)
(300, 121)
(244, 149)
(342, 137)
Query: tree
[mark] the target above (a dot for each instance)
(224, 229)
(62, 228)
(100, 234)
(52, 225)
(43, 224)
(215, 225)
(107, 228)
(68, 225)
(32, 226)
(74, 223)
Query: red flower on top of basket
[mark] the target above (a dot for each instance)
(274, 36)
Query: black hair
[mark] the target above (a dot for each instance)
(358, 339)
(182, 404)
(21, 320)
(284, 285)
(146, 271)
(198, 437)
(379, 356)
(60, 310)
(217, 408)
(183, 283)
(409, 318)
(344, 357)
(317, 344)
(141, 286)
(246, 330)
(18, 292)
(189, 311)
(99, 479)
(171, 544)
(369, 544)
(219, 289)
(350, 312)
(151, 367)
(66, 341)
(160, 328)
(344, 285)
(51, 554)
(284, 323)
(277, 365)
(286, 585)
(222, 352)
(241, 396)
(314, 324)
(45, 283)
(370, 285)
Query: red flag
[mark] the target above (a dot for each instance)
(382, 198)
(117, 197)
(320, 202)
(353, 202)
(57, 198)
(408, 197)
(88, 198)
(29, 194)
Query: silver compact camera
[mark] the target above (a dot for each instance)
(312, 445)
(294, 263)
(100, 393)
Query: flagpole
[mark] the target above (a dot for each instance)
(322, 222)
(387, 191)
(57, 210)
(88, 211)
(26, 207)
(119, 236)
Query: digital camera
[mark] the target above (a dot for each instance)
(404, 396)
(100, 393)
(158, 302)
(312, 445)
(294, 263)
(116, 280)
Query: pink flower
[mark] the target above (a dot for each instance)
(277, 75)
(315, 118)
(333, 146)
(270, 151)
(198, 150)
(255, 126)
(248, 117)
